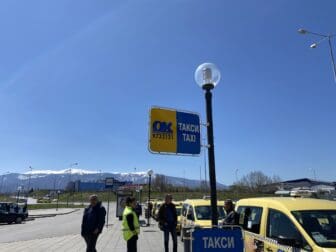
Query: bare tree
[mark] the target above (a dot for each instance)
(255, 181)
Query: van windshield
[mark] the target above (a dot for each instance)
(204, 212)
(320, 225)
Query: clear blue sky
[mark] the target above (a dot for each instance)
(77, 79)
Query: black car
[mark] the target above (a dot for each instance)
(12, 212)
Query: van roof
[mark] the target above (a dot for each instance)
(201, 202)
(289, 203)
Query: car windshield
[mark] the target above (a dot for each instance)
(178, 211)
(204, 212)
(320, 225)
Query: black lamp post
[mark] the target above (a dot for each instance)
(58, 193)
(149, 173)
(18, 194)
(207, 77)
(323, 37)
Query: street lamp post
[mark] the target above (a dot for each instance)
(207, 77)
(30, 173)
(149, 173)
(18, 194)
(70, 186)
(58, 193)
(314, 173)
(2, 181)
(323, 38)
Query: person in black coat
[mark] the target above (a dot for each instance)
(167, 222)
(138, 210)
(93, 223)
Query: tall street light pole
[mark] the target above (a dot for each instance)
(2, 181)
(58, 193)
(314, 173)
(30, 173)
(323, 37)
(207, 77)
(149, 173)
(70, 187)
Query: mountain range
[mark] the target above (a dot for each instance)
(52, 179)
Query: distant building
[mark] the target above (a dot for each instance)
(89, 186)
(94, 186)
(305, 182)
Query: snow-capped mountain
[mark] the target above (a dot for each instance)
(51, 179)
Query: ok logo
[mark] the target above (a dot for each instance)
(162, 127)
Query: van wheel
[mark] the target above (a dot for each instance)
(18, 220)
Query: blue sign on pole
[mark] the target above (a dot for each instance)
(109, 183)
(174, 132)
(188, 133)
(215, 239)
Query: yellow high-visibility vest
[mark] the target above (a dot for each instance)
(127, 233)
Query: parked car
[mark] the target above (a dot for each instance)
(156, 208)
(12, 212)
(288, 224)
(45, 199)
(196, 213)
(178, 205)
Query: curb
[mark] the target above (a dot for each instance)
(52, 215)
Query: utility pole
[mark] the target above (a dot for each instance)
(29, 178)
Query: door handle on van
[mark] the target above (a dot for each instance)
(269, 249)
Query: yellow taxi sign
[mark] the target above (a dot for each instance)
(174, 132)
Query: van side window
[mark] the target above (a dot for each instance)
(250, 218)
(282, 229)
(190, 215)
(184, 209)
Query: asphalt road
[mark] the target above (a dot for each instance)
(46, 227)
(42, 228)
(62, 233)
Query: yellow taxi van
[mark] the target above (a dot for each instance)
(178, 205)
(196, 213)
(288, 224)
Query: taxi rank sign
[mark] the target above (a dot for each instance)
(216, 239)
(174, 132)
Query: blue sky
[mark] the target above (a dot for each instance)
(77, 79)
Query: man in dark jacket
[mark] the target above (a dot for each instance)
(231, 217)
(167, 220)
(93, 223)
(138, 210)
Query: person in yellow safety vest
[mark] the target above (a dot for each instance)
(130, 224)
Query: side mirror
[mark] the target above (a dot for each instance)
(292, 242)
(190, 216)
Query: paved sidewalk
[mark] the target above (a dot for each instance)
(150, 240)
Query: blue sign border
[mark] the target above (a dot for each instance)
(221, 236)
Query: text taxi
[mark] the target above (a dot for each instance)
(288, 224)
